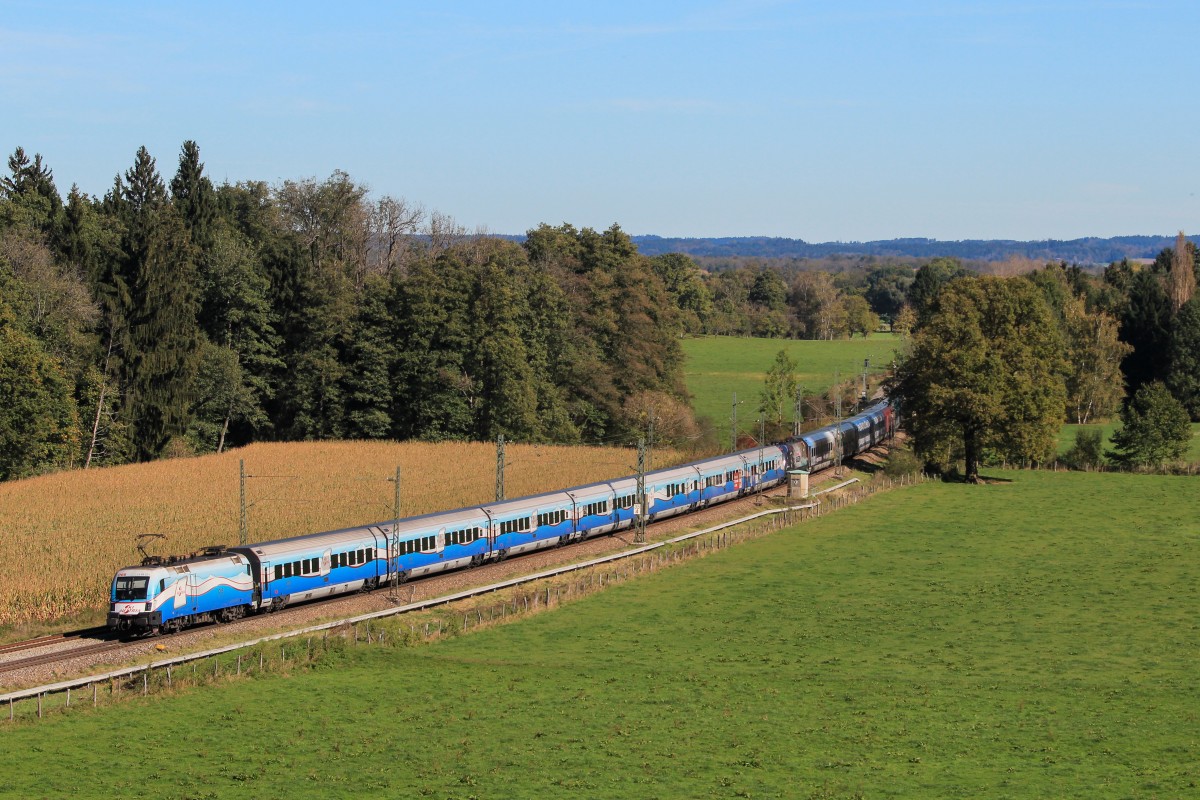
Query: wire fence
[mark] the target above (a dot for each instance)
(428, 620)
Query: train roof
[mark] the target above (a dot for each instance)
(470, 513)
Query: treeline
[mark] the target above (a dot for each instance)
(182, 317)
(991, 365)
(794, 300)
(1090, 250)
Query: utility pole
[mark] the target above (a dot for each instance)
(733, 429)
(396, 507)
(837, 394)
(395, 566)
(866, 366)
(499, 468)
(650, 444)
(639, 536)
(242, 490)
(798, 413)
(762, 435)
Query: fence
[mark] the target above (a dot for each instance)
(271, 653)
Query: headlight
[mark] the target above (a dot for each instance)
(148, 606)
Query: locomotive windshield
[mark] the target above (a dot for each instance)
(133, 588)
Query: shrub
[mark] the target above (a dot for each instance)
(901, 461)
(1088, 451)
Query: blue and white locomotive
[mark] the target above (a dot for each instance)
(221, 584)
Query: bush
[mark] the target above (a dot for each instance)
(1088, 451)
(902, 461)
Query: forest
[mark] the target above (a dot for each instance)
(174, 317)
(168, 318)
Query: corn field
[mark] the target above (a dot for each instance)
(62, 536)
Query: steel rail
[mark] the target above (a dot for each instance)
(127, 672)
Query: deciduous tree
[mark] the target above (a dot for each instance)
(778, 396)
(985, 372)
(1095, 385)
(1183, 275)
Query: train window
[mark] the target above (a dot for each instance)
(370, 554)
(131, 589)
(278, 571)
(361, 560)
(287, 570)
(551, 518)
(342, 561)
(599, 507)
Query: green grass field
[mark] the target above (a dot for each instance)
(1066, 438)
(718, 366)
(1036, 638)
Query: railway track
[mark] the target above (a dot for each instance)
(44, 641)
(60, 655)
(104, 645)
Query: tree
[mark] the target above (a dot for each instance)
(1094, 351)
(778, 395)
(28, 196)
(664, 419)
(817, 305)
(930, 279)
(1184, 377)
(1146, 326)
(157, 274)
(768, 291)
(193, 195)
(685, 285)
(905, 321)
(39, 428)
(235, 316)
(985, 372)
(1183, 275)
(1154, 428)
(859, 316)
(887, 290)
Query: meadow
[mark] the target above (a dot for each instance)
(65, 534)
(1066, 438)
(718, 366)
(1036, 637)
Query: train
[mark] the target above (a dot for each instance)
(222, 584)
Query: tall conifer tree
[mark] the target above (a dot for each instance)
(163, 342)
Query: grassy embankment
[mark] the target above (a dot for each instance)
(65, 534)
(1028, 639)
(718, 366)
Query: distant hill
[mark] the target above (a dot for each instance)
(1091, 250)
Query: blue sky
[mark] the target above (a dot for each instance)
(817, 120)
